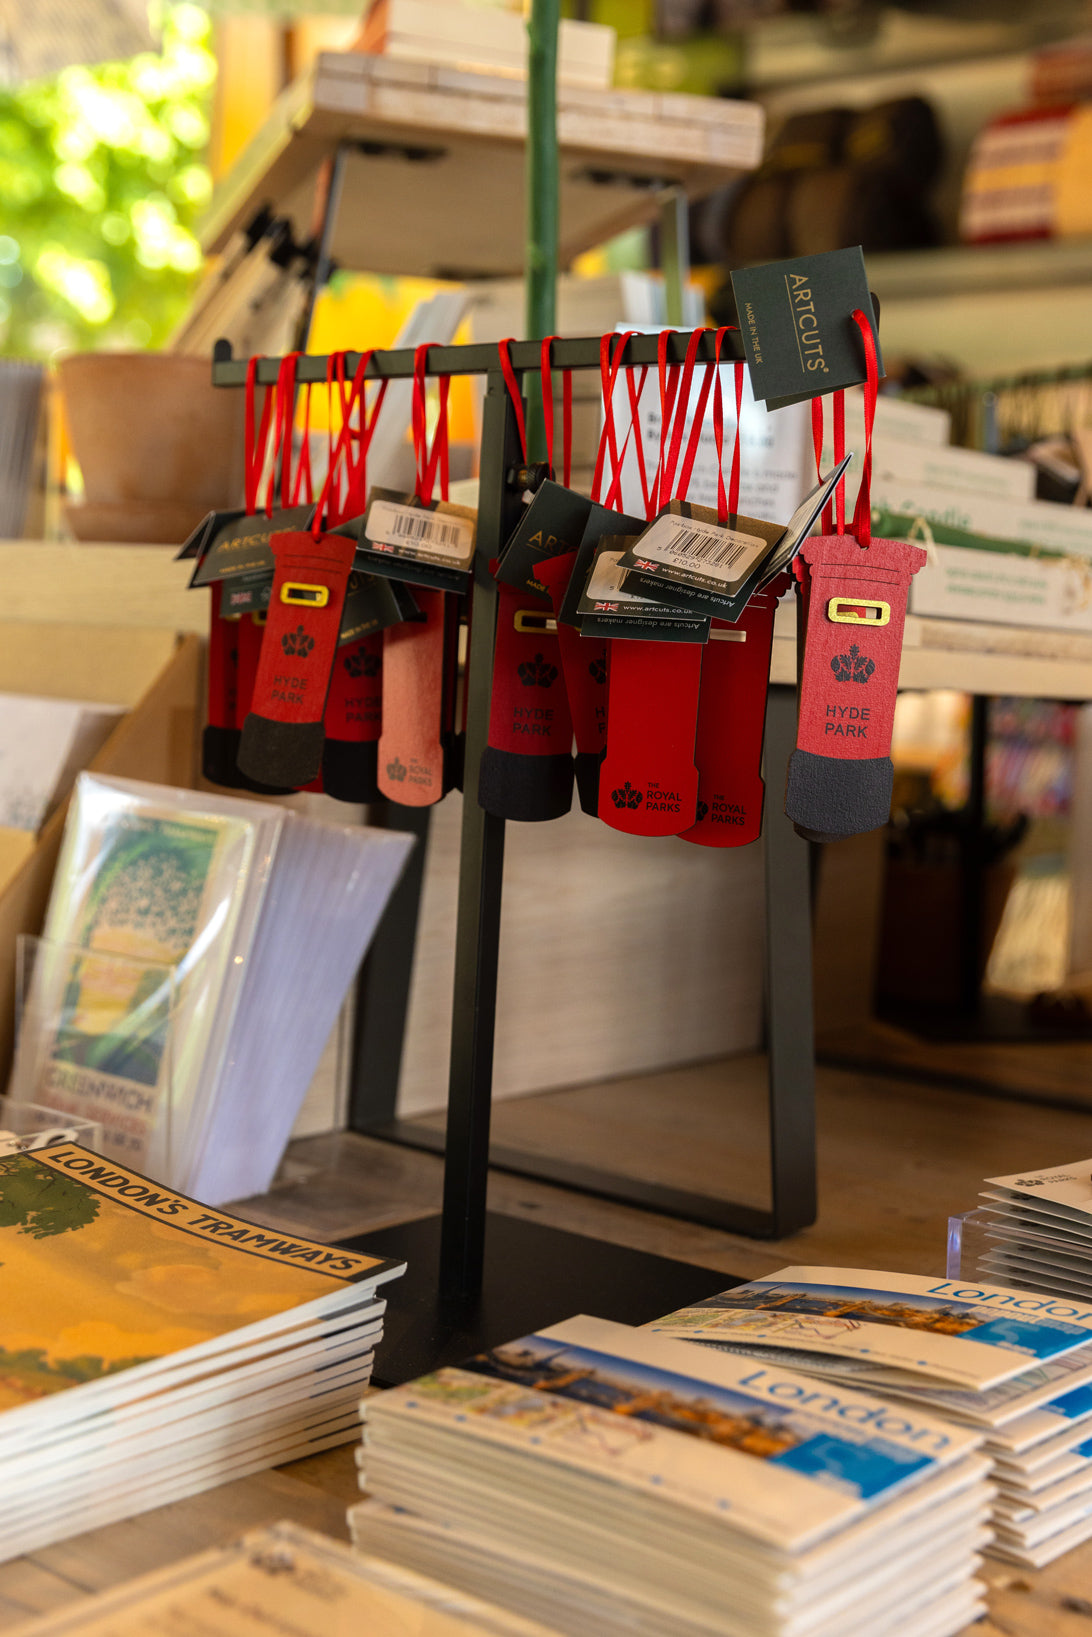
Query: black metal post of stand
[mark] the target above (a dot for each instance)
(476, 1279)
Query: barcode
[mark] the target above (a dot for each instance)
(708, 548)
(432, 530)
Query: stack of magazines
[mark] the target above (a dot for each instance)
(151, 1348)
(282, 1579)
(1015, 1366)
(196, 952)
(609, 1481)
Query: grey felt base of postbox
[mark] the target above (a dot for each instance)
(828, 798)
(528, 788)
(287, 754)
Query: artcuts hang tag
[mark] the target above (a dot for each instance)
(854, 602)
(402, 539)
(196, 542)
(693, 587)
(796, 318)
(606, 607)
(692, 539)
(370, 607)
(552, 526)
(240, 550)
(601, 521)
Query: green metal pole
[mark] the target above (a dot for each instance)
(542, 196)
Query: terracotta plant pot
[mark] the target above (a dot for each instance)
(150, 428)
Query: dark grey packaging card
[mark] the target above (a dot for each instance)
(370, 606)
(796, 318)
(601, 521)
(609, 607)
(240, 548)
(197, 542)
(552, 525)
(687, 545)
(414, 564)
(247, 596)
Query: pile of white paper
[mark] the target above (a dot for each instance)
(606, 1480)
(151, 1348)
(282, 1579)
(196, 952)
(44, 743)
(1015, 1365)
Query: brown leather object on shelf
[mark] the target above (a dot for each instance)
(902, 137)
(757, 228)
(830, 209)
(809, 141)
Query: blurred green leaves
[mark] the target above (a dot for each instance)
(101, 180)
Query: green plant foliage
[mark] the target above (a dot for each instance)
(101, 180)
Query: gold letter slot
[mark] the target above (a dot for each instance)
(855, 611)
(314, 596)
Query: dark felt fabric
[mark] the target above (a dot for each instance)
(528, 788)
(827, 798)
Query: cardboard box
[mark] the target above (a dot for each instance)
(158, 676)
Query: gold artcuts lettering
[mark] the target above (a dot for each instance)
(809, 340)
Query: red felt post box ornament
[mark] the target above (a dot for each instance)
(854, 592)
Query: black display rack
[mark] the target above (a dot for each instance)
(451, 1311)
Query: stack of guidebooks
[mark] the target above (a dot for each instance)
(196, 952)
(151, 1348)
(1014, 1365)
(282, 1579)
(610, 1481)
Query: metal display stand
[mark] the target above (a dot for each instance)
(445, 1309)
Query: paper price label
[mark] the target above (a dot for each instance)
(606, 584)
(435, 537)
(727, 556)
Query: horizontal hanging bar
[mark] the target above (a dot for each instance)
(578, 352)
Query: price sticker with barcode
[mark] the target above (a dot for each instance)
(423, 534)
(702, 552)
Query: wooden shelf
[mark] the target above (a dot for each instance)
(435, 187)
(974, 269)
(971, 656)
(142, 587)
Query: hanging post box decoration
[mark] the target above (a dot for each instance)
(417, 752)
(735, 679)
(284, 733)
(854, 592)
(526, 767)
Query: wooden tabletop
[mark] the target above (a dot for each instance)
(340, 1184)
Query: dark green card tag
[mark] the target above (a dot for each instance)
(240, 548)
(601, 521)
(552, 525)
(370, 606)
(796, 318)
(197, 543)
